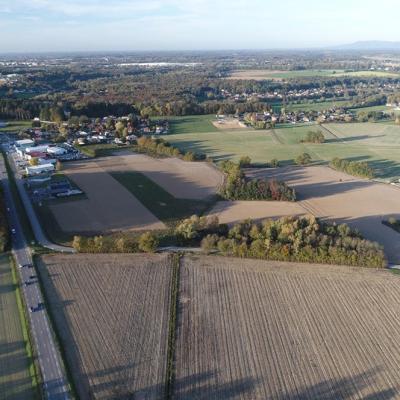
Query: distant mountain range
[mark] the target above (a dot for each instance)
(370, 45)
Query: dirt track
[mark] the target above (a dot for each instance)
(182, 179)
(262, 330)
(109, 206)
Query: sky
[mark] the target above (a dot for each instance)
(97, 25)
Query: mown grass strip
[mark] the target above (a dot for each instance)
(172, 326)
(161, 203)
(34, 369)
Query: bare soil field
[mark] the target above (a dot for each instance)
(336, 196)
(230, 212)
(229, 123)
(265, 330)
(182, 179)
(109, 207)
(112, 313)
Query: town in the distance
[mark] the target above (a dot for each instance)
(199, 224)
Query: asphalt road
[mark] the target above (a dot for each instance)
(55, 385)
(36, 227)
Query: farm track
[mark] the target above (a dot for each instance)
(278, 331)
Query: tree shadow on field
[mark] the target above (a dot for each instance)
(358, 386)
(352, 138)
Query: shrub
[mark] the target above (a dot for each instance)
(245, 162)
(148, 242)
(303, 159)
(314, 137)
(274, 163)
(356, 168)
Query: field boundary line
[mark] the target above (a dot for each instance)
(276, 138)
(34, 370)
(172, 325)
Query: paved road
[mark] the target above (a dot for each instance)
(36, 227)
(54, 378)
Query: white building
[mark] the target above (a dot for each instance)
(39, 169)
(24, 143)
(56, 151)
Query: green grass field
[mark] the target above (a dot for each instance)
(376, 143)
(15, 364)
(188, 124)
(16, 126)
(317, 106)
(163, 205)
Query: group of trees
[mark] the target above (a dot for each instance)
(160, 147)
(314, 137)
(355, 168)
(146, 242)
(300, 239)
(238, 187)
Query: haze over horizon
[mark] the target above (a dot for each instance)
(135, 25)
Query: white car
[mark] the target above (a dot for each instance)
(13, 231)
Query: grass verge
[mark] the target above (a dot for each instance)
(172, 327)
(34, 369)
(161, 203)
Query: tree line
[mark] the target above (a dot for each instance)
(355, 168)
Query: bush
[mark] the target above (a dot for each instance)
(148, 242)
(303, 159)
(355, 168)
(314, 137)
(274, 163)
(245, 162)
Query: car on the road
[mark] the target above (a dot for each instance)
(8, 209)
(13, 231)
(28, 266)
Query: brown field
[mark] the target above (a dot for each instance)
(112, 313)
(109, 207)
(229, 123)
(229, 212)
(265, 330)
(182, 179)
(330, 195)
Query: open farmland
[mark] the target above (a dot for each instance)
(109, 207)
(265, 330)
(112, 314)
(230, 212)
(182, 179)
(336, 196)
(377, 143)
(259, 75)
(15, 378)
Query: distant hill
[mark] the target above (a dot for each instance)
(370, 45)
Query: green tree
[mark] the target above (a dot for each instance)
(148, 242)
